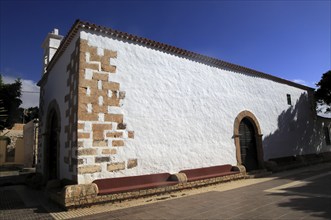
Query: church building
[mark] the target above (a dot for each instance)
(114, 104)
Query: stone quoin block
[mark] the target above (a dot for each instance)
(89, 169)
(82, 90)
(88, 116)
(91, 99)
(82, 108)
(121, 126)
(93, 84)
(98, 135)
(113, 94)
(110, 54)
(101, 127)
(132, 163)
(130, 134)
(117, 143)
(114, 134)
(102, 159)
(111, 101)
(113, 86)
(108, 67)
(100, 109)
(112, 167)
(109, 151)
(86, 151)
(103, 143)
(83, 135)
(121, 95)
(93, 66)
(95, 93)
(81, 126)
(100, 76)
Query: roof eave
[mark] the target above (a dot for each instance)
(160, 46)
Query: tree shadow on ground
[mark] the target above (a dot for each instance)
(311, 195)
(300, 132)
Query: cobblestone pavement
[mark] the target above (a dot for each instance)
(298, 194)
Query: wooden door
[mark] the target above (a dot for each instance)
(248, 145)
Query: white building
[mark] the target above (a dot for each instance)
(113, 104)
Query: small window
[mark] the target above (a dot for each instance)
(327, 135)
(288, 99)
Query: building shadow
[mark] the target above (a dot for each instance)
(19, 200)
(299, 132)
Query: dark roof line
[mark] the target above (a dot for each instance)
(160, 46)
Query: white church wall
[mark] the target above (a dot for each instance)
(56, 88)
(183, 112)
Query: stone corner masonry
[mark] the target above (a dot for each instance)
(101, 129)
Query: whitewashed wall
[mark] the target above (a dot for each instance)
(183, 111)
(56, 89)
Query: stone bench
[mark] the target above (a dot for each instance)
(209, 172)
(131, 183)
(285, 160)
(291, 162)
(313, 158)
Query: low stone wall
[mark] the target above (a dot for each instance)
(76, 196)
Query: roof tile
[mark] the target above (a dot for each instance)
(160, 46)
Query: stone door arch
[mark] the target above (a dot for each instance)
(248, 118)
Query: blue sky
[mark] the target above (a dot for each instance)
(288, 39)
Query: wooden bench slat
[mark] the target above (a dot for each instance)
(208, 172)
(121, 184)
(136, 187)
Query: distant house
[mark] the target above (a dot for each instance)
(12, 146)
(113, 104)
(18, 145)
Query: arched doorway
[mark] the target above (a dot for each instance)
(248, 141)
(51, 157)
(53, 148)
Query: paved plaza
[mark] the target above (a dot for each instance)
(297, 194)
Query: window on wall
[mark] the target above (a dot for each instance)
(327, 135)
(289, 102)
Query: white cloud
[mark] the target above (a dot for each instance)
(300, 81)
(30, 91)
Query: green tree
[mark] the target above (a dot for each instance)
(29, 114)
(3, 116)
(323, 92)
(10, 95)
